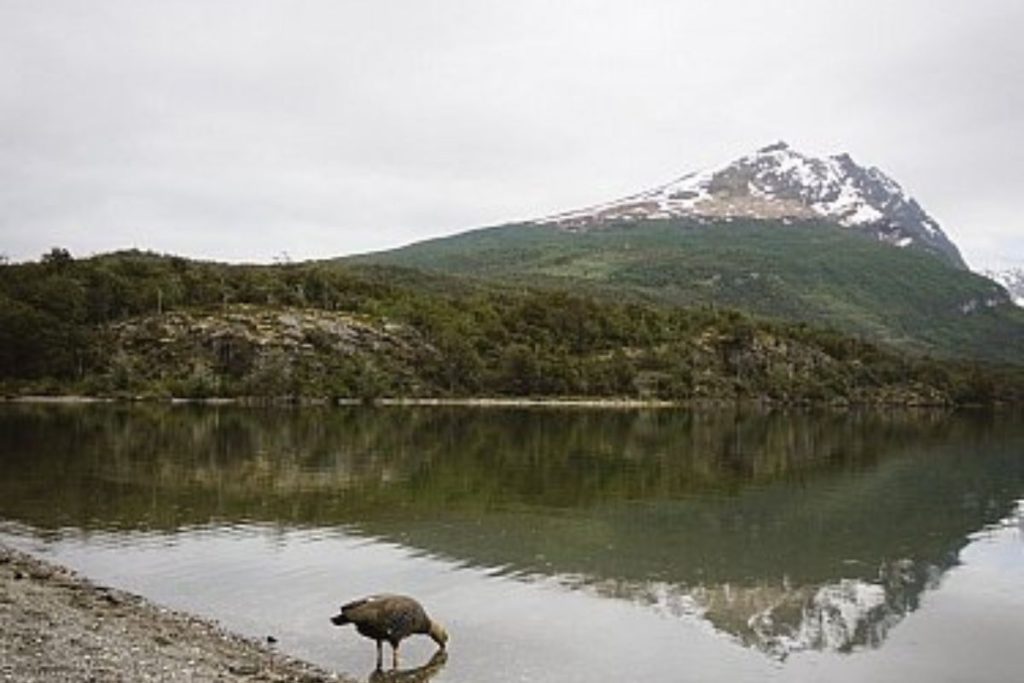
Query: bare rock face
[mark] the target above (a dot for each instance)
(779, 183)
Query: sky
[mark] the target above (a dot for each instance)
(257, 131)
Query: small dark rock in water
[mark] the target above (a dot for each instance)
(271, 640)
(18, 576)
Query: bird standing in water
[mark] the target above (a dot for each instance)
(391, 618)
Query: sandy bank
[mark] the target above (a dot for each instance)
(58, 626)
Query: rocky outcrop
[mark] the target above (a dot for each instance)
(247, 350)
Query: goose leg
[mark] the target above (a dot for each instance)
(380, 655)
(394, 656)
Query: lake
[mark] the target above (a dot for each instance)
(554, 544)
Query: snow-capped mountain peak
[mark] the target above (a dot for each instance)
(778, 182)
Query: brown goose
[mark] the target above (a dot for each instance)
(390, 618)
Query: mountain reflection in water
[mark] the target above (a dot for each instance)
(803, 531)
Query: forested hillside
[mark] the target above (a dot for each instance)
(807, 271)
(140, 324)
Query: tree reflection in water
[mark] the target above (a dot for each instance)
(788, 531)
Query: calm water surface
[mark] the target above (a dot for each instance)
(554, 545)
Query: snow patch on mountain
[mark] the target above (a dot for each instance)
(1012, 280)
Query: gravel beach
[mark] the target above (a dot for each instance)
(58, 626)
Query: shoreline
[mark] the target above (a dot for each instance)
(500, 402)
(58, 625)
(482, 402)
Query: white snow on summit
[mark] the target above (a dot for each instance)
(778, 182)
(811, 187)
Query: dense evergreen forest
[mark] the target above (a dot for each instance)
(140, 324)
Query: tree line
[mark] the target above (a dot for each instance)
(474, 338)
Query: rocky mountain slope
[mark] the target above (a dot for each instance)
(780, 183)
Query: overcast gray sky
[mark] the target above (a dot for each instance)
(241, 130)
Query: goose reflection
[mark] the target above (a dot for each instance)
(420, 674)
